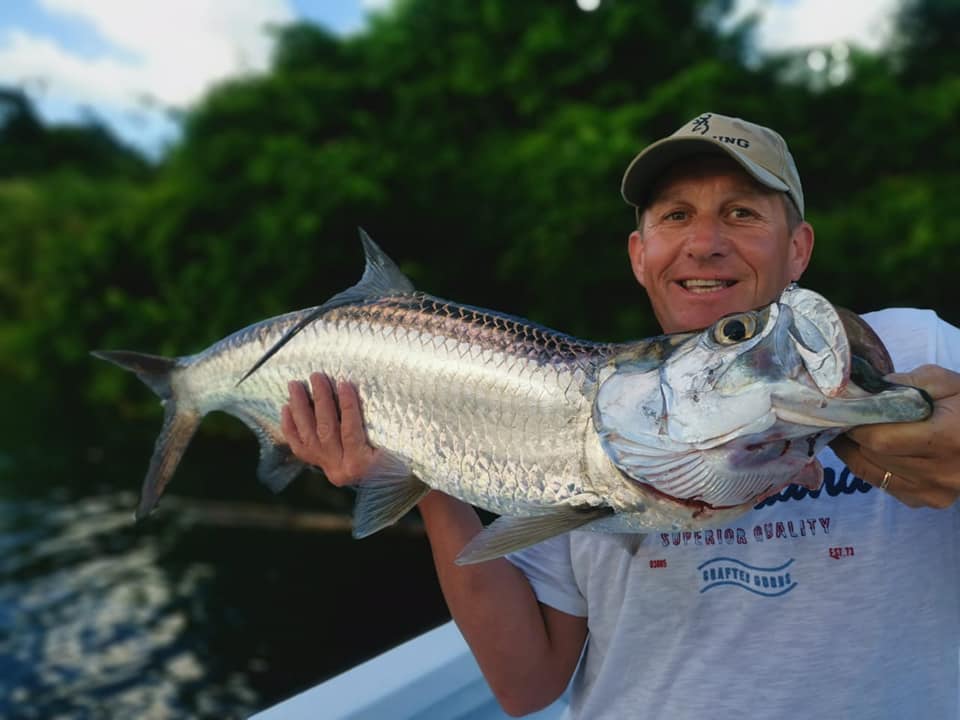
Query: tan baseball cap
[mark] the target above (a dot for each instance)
(760, 151)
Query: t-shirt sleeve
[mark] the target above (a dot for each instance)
(548, 567)
(916, 337)
(948, 346)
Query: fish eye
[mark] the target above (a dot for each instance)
(734, 329)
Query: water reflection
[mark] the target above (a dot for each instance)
(187, 616)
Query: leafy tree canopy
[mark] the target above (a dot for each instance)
(481, 142)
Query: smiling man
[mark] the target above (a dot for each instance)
(718, 233)
(838, 602)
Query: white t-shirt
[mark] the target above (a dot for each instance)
(838, 603)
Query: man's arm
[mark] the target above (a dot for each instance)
(922, 457)
(527, 651)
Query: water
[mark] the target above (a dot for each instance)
(211, 609)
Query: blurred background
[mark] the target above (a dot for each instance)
(172, 172)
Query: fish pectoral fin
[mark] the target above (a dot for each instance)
(509, 534)
(387, 493)
(811, 477)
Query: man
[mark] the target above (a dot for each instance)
(843, 602)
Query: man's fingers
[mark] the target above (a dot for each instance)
(301, 408)
(351, 420)
(901, 484)
(925, 438)
(919, 460)
(852, 456)
(311, 426)
(289, 428)
(326, 422)
(896, 439)
(357, 453)
(937, 381)
(328, 431)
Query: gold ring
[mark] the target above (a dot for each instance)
(886, 480)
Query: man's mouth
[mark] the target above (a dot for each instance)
(702, 287)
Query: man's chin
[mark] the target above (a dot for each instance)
(695, 311)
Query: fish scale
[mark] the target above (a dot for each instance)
(443, 384)
(552, 432)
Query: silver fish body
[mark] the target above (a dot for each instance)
(477, 404)
(549, 431)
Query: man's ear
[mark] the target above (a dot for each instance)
(801, 248)
(636, 251)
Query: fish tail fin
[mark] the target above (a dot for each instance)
(180, 421)
(176, 433)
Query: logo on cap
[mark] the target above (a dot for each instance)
(702, 124)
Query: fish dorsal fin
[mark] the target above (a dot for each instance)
(381, 276)
(509, 534)
(385, 494)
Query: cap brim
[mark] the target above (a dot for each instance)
(654, 160)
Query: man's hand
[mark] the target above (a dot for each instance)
(527, 652)
(319, 435)
(922, 457)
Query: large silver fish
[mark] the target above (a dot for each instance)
(551, 432)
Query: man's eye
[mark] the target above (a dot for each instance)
(742, 212)
(675, 215)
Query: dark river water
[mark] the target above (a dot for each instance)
(212, 608)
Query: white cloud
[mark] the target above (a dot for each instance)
(167, 54)
(787, 25)
(180, 46)
(41, 65)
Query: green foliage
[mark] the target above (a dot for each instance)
(481, 143)
(29, 148)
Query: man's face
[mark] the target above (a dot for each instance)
(713, 241)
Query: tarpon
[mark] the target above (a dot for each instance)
(551, 432)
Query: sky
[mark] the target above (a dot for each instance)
(132, 64)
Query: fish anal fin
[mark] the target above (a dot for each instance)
(387, 492)
(509, 534)
(278, 465)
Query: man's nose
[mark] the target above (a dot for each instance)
(707, 239)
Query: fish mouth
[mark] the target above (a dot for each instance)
(705, 286)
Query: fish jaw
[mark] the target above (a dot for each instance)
(899, 403)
